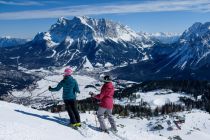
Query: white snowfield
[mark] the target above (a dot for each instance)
(161, 97)
(155, 98)
(21, 123)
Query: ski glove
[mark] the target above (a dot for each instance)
(49, 88)
(91, 94)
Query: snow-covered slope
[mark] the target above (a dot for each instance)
(194, 47)
(196, 125)
(156, 98)
(28, 124)
(19, 122)
(9, 41)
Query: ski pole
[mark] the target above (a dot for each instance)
(41, 93)
(94, 113)
(91, 94)
(53, 99)
(54, 102)
(96, 119)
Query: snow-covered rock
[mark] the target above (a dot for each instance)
(194, 47)
(108, 64)
(86, 64)
(187, 58)
(86, 28)
(45, 37)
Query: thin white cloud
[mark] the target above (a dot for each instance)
(150, 6)
(18, 3)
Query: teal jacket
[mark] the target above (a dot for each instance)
(70, 88)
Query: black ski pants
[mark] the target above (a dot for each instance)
(71, 107)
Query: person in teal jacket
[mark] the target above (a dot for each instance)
(70, 89)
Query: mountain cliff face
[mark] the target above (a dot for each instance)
(194, 47)
(86, 28)
(70, 42)
(187, 58)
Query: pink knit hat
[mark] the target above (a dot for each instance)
(68, 71)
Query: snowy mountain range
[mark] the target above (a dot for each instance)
(9, 41)
(86, 28)
(194, 47)
(85, 42)
(187, 58)
(82, 40)
(192, 52)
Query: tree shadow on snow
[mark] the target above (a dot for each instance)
(62, 121)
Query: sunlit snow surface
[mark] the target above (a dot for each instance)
(154, 98)
(25, 123)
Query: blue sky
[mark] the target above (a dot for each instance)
(24, 18)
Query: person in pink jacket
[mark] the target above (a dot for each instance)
(106, 104)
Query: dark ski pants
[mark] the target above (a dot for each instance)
(71, 107)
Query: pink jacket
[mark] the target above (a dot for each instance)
(106, 96)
